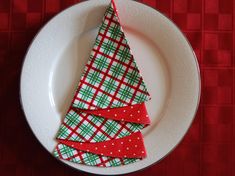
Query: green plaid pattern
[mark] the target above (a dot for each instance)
(83, 127)
(111, 77)
(70, 154)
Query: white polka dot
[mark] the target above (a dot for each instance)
(111, 153)
(131, 115)
(129, 140)
(134, 154)
(87, 150)
(138, 119)
(81, 143)
(119, 150)
(124, 110)
(147, 115)
(142, 151)
(122, 119)
(124, 156)
(131, 107)
(127, 148)
(99, 114)
(72, 145)
(108, 110)
(138, 138)
(112, 143)
(102, 154)
(138, 111)
(115, 115)
(96, 148)
(121, 142)
(136, 146)
(104, 146)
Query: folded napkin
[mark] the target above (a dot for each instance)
(102, 126)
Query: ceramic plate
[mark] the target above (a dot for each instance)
(57, 56)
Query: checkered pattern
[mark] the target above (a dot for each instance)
(82, 127)
(111, 77)
(70, 154)
(208, 148)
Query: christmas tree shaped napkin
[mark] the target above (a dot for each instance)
(102, 126)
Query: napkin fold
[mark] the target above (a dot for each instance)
(102, 126)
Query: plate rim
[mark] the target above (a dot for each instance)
(182, 137)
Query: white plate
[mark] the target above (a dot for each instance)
(56, 58)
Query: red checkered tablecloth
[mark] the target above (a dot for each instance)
(208, 149)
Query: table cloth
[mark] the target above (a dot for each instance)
(209, 146)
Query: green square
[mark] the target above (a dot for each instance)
(91, 159)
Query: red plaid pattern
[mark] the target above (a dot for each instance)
(111, 80)
(83, 127)
(117, 69)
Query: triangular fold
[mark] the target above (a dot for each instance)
(111, 78)
(128, 147)
(83, 127)
(134, 114)
(77, 156)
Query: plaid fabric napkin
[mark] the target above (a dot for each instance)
(102, 126)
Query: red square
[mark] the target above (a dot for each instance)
(2, 61)
(223, 153)
(195, 39)
(33, 20)
(194, 21)
(226, 6)
(52, 6)
(225, 78)
(18, 21)
(217, 159)
(20, 6)
(18, 42)
(225, 95)
(194, 6)
(224, 168)
(4, 37)
(212, 6)
(226, 41)
(191, 168)
(210, 95)
(180, 20)
(211, 115)
(35, 6)
(208, 169)
(4, 21)
(225, 58)
(211, 21)
(209, 153)
(225, 22)
(5, 6)
(210, 133)
(210, 78)
(224, 132)
(157, 169)
(225, 114)
(190, 153)
(211, 41)
(210, 57)
(164, 6)
(180, 6)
